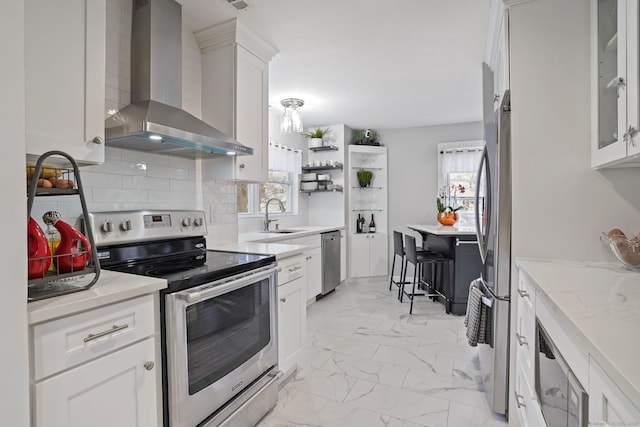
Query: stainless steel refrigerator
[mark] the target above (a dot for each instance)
(493, 228)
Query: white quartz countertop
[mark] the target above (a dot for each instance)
(444, 230)
(601, 302)
(301, 231)
(111, 287)
(280, 250)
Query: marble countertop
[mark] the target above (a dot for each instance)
(280, 250)
(601, 302)
(301, 231)
(444, 230)
(111, 287)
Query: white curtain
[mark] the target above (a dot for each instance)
(283, 158)
(460, 160)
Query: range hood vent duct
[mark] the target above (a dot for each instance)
(155, 121)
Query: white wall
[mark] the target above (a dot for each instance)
(560, 204)
(14, 374)
(413, 170)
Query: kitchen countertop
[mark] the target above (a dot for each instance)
(601, 303)
(444, 230)
(280, 250)
(111, 287)
(302, 231)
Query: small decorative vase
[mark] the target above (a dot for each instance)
(315, 142)
(447, 218)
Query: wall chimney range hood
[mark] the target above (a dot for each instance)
(155, 121)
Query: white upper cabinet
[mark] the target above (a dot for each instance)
(65, 78)
(497, 48)
(615, 90)
(235, 92)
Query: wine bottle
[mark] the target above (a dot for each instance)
(372, 225)
(358, 225)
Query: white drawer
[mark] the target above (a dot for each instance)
(310, 241)
(290, 269)
(70, 341)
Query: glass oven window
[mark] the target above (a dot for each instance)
(225, 331)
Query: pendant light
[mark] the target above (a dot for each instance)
(291, 118)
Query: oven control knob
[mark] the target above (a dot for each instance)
(186, 222)
(107, 227)
(197, 221)
(125, 225)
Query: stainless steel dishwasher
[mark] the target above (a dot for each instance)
(330, 261)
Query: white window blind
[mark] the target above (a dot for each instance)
(460, 160)
(284, 159)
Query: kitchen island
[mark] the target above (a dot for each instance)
(458, 243)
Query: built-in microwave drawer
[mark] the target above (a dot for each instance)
(69, 341)
(290, 269)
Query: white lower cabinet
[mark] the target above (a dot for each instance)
(292, 312)
(608, 406)
(368, 254)
(314, 273)
(114, 390)
(98, 368)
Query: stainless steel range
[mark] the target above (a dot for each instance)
(218, 315)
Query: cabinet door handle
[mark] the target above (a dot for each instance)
(149, 365)
(98, 140)
(522, 340)
(241, 166)
(113, 329)
(523, 293)
(519, 399)
(283, 300)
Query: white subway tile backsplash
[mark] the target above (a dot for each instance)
(172, 173)
(177, 185)
(147, 158)
(113, 153)
(104, 206)
(181, 162)
(119, 195)
(122, 167)
(100, 180)
(146, 183)
(143, 206)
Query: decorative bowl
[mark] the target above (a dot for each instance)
(627, 251)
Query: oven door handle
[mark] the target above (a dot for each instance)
(221, 287)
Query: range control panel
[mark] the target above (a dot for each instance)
(119, 227)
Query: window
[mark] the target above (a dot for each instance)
(284, 166)
(458, 171)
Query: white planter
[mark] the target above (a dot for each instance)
(315, 142)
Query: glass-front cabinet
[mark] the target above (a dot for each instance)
(615, 89)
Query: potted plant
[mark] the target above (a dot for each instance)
(316, 136)
(364, 177)
(366, 137)
(446, 214)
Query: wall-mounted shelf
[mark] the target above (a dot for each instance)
(367, 210)
(367, 188)
(324, 148)
(320, 191)
(320, 168)
(366, 168)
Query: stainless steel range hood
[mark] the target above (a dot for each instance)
(155, 121)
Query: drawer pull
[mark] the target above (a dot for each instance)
(519, 399)
(523, 293)
(283, 300)
(291, 270)
(522, 340)
(149, 365)
(115, 328)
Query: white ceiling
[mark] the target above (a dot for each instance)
(380, 64)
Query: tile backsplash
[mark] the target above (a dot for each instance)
(130, 180)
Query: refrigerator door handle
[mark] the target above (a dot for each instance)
(481, 238)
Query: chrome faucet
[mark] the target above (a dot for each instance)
(267, 221)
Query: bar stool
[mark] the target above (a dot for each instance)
(419, 260)
(398, 250)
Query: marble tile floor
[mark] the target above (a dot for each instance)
(367, 362)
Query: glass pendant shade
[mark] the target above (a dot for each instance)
(291, 117)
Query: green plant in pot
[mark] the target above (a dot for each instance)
(366, 137)
(364, 177)
(316, 137)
